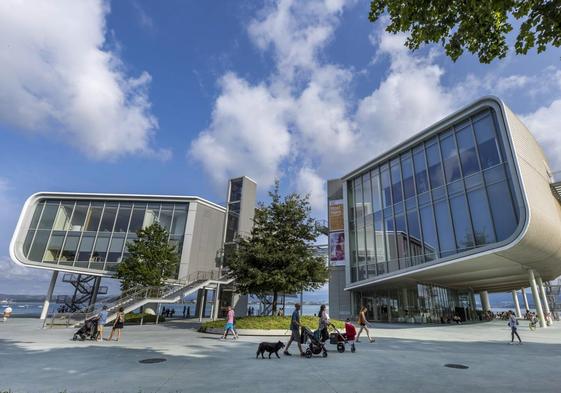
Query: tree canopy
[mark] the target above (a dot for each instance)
(277, 257)
(152, 259)
(481, 27)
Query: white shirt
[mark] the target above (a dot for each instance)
(8, 310)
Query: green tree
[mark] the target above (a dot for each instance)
(276, 257)
(480, 26)
(151, 259)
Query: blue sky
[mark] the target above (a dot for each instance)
(175, 97)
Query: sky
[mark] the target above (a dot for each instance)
(176, 97)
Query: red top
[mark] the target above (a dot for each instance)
(350, 330)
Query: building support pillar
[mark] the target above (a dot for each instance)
(47, 301)
(216, 303)
(516, 304)
(525, 297)
(203, 305)
(484, 295)
(541, 288)
(536, 296)
(95, 290)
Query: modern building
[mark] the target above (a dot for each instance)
(464, 207)
(86, 236)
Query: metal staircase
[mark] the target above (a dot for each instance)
(135, 298)
(85, 292)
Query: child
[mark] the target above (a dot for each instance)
(350, 332)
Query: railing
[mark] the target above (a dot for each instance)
(136, 295)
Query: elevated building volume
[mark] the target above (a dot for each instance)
(464, 207)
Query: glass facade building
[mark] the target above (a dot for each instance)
(93, 234)
(441, 198)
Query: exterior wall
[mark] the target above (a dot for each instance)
(247, 208)
(206, 239)
(339, 299)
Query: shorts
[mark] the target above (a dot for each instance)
(119, 325)
(229, 325)
(295, 334)
(363, 324)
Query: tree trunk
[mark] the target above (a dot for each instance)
(274, 308)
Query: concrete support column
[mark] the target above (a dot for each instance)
(216, 302)
(485, 300)
(525, 297)
(536, 296)
(203, 305)
(47, 302)
(544, 296)
(516, 304)
(95, 290)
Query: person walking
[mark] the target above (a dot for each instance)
(102, 320)
(118, 325)
(229, 327)
(295, 330)
(362, 321)
(513, 323)
(323, 323)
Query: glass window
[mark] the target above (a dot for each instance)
(380, 246)
(462, 224)
(151, 216)
(79, 216)
(396, 181)
(137, 217)
(179, 220)
(502, 210)
(370, 249)
(40, 242)
(36, 215)
(27, 242)
(116, 249)
(367, 194)
(108, 219)
(468, 155)
(93, 218)
(444, 228)
(402, 241)
(100, 249)
(70, 247)
(486, 142)
(236, 190)
(481, 217)
(359, 211)
(48, 216)
(435, 169)
(177, 242)
(165, 218)
(62, 220)
(386, 186)
(408, 182)
(415, 242)
(86, 247)
(421, 178)
(53, 251)
(391, 246)
(450, 157)
(376, 195)
(123, 216)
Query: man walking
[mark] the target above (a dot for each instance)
(230, 320)
(295, 330)
(101, 322)
(513, 323)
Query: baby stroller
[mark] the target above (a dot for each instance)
(340, 339)
(315, 345)
(88, 330)
(533, 323)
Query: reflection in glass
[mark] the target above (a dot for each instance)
(79, 216)
(396, 181)
(137, 217)
(122, 222)
(408, 182)
(435, 168)
(165, 219)
(108, 219)
(93, 218)
(39, 244)
(86, 247)
(36, 215)
(376, 195)
(115, 249)
(48, 216)
(462, 224)
(481, 217)
(421, 177)
(444, 228)
(502, 210)
(450, 157)
(62, 220)
(386, 187)
(151, 216)
(70, 247)
(179, 219)
(486, 142)
(468, 155)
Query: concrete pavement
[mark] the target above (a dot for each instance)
(404, 358)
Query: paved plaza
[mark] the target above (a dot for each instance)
(403, 359)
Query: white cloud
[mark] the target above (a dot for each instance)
(248, 134)
(308, 182)
(58, 78)
(306, 110)
(545, 124)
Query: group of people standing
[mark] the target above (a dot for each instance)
(116, 328)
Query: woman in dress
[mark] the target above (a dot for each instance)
(118, 324)
(323, 323)
(362, 322)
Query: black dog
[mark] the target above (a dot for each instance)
(269, 347)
